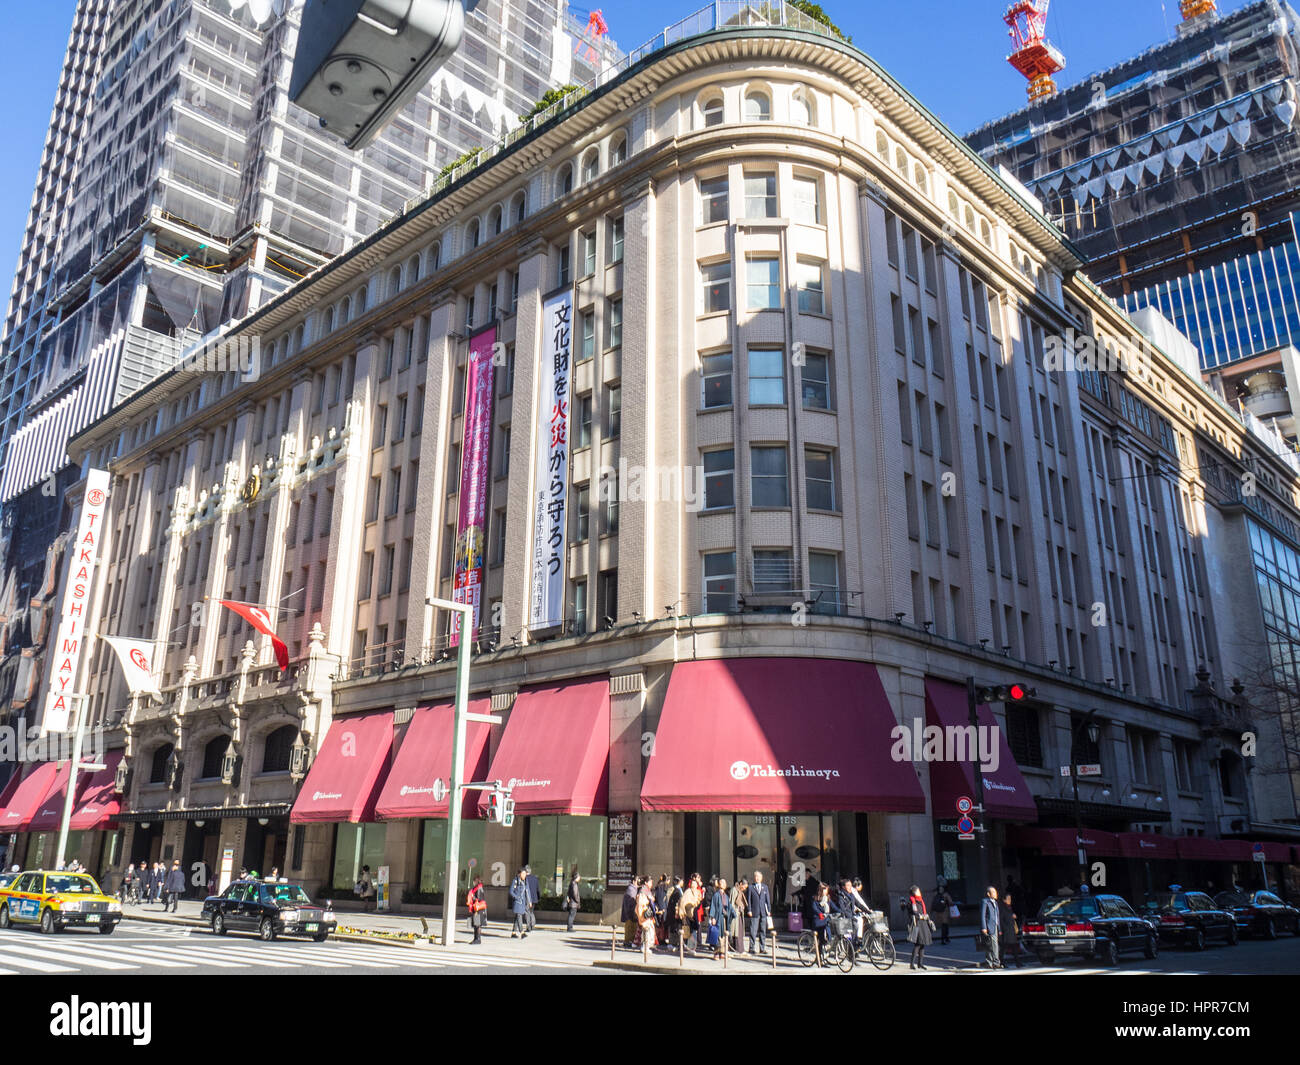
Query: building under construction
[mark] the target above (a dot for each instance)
(180, 189)
(1177, 175)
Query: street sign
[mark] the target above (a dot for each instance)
(1257, 852)
(965, 828)
(1092, 769)
(964, 805)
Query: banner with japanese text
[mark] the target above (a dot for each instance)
(471, 523)
(551, 476)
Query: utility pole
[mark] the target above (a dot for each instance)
(972, 704)
(70, 797)
(1093, 734)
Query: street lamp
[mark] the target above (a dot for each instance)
(1094, 733)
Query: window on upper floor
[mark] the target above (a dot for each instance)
(758, 106)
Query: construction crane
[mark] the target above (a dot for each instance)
(1196, 8)
(1034, 56)
(359, 62)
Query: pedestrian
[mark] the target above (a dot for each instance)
(645, 914)
(365, 888)
(919, 927)
(661, 892)
(477, 906)
(519, 905)
(1010, 929)
(534, 895)
(721, 915)
(991, 928)
(740, 905)
(821, 917)
(573, 900)
(673, 914)
(175, 886)
(275, 873)
(941, 905)
(692, 897)
(758, 904)
(628, 912)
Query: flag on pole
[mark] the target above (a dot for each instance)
(137, 658)
(258, 617)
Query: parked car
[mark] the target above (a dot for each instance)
(57, 900)
(269, 908)
(1088, 926)
(1192, 918)
(1260, 913)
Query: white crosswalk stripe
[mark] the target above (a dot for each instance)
(67, 952)
(39, 966)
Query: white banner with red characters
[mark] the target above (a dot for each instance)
(136, 657)
(83, 553)
(551, 476)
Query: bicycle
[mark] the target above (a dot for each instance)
(877, 944)
(839, 951)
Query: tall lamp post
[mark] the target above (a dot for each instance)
(1094, 733)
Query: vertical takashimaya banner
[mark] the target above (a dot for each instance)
(83, 553)
(551, 477)
(471, 523)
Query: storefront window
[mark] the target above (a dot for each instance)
(356, 846)
(559, 845)
(433, 854)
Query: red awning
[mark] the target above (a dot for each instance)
(49, 813)
(425, 756)
(554, 752)
(1006, 795)
(1200, 849)
(777, 734)
(28, 796)
(11, 788)
(1145, 845)
(344, 780)
(1064, 842)
(1238, 850)
(100, 803)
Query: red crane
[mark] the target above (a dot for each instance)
(1034, 56)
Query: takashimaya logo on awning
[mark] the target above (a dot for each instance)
(996, 785)
(316, 796)
(516, 782)
(742, 770)
(407, 789)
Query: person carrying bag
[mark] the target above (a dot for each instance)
(477, 906)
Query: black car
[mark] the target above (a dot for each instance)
(1191, 918)
(1260, 913)
(1088, 926)
(268, 908)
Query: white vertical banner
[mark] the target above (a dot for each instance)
(551, 474)
(70, 637)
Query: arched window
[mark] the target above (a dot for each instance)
(394, 281)
(590, 166)
(520, 207)
(564, 180)
(803, 108)
(473, 234)
(158, 767)
(711, 110)
(213, 752)
(953, 208)
(329, 319)
(345, 310)
(920, 178)
(494, 221)
(970, 218)
(758, 107)
(435, 256)
(882, 144)
(361, 299)
(413, 270)
(278, 749)
(900, 162)
(618, 149)
(986, 233)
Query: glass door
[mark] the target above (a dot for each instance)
(755, 848)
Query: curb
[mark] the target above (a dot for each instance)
(655, 970)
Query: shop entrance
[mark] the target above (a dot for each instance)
(146, 843)
(199, 856)
(266, 845)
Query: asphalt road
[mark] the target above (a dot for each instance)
(135, 948)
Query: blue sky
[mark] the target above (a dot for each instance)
(949, 53)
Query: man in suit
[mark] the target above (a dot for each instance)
(534, 893)
(991, 926)
(760, 912)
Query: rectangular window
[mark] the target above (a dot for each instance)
(760, 195)
(609, 492)
(562, 275)
(588, 348)
(387, 567)
(763, 283)
(715, 371)
(372, 500)
(613, 411)
(824, 581)
(807, 197)
(367, 575)
(584, 420)
(615, 240)
(720, 582)
(394, 491)
(607, 588)
(769, 477)
(399, 420)
(580, 606)
(819, 470)
(773, 572)
(588, 244)
(815, 380)
(812, 292)
(713, 200)
(719, 479)
(615, 324)
(503, 452)
(715, 287)
(766, 377)
(582, 516)
(492, 303)
(381, 425)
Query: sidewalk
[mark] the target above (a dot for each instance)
(585, 945)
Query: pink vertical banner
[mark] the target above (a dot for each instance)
(471, 524)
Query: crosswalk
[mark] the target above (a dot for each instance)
(177, 950)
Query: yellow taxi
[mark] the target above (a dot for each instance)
(57, 900)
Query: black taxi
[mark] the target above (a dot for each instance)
(1088, 926)
(270, 908)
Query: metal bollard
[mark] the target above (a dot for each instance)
(613, 940)
(774, 948)
(645, 947)
(681, 946)
(726, 943)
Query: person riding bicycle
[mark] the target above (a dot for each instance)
(853, 906)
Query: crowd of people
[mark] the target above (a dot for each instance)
(152, 884)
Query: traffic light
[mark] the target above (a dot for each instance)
(1005, 693)
(508, 812)
(359, 62)
(494, 806)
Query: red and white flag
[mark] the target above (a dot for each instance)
(260, 620)
(136, 657)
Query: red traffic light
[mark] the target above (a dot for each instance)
(1015, 693)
